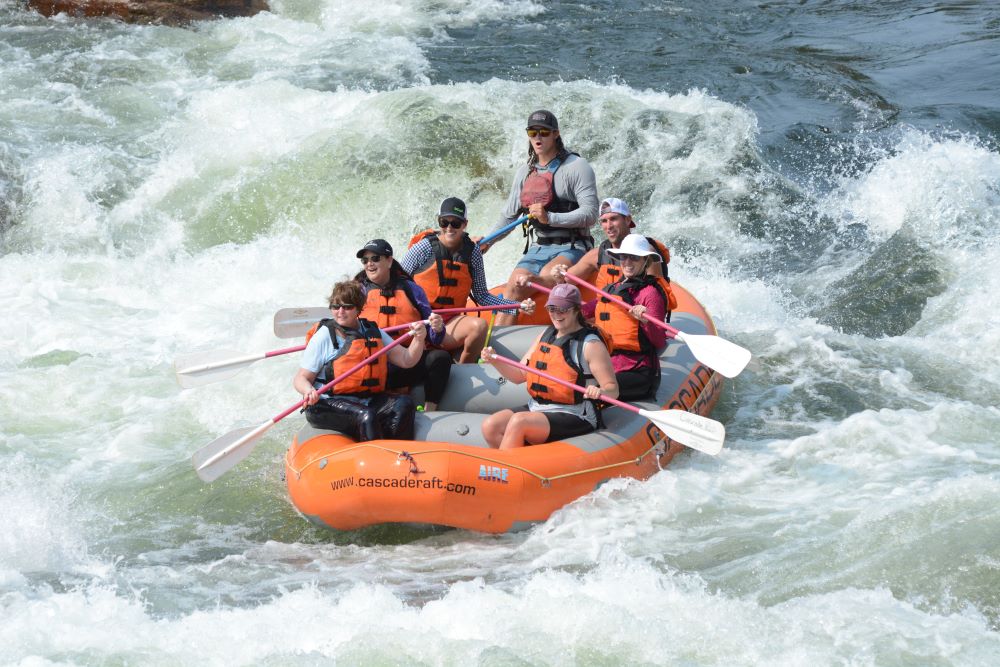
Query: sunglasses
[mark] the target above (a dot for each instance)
(342, 306)
(372, 258)
(454, 223)
(540, 132)
(557, 309)
(630, 258)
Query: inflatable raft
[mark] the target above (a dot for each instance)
(449, 476)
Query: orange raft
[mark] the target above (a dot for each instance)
(448, 476)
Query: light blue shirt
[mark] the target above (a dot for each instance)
(320, 352)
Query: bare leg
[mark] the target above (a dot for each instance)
(494, 425)
(468, 333)
(525, 427)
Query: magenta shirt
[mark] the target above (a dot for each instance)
(656, 309)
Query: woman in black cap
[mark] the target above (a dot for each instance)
(558, 190)
(392, 298)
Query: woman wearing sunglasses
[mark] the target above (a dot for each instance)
(392, 298)
(571, 350)
(357, 405)
(636, 343)
(558, 190)
(448, 265)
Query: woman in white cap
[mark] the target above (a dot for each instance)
(636, 343)
(571, 350)
(558, 190)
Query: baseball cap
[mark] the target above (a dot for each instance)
(564, 295)
(635, 244)
(453, 206)
(615, 205)
(377, 246)
(543, 118)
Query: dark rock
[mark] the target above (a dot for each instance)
(886, 295)
(167, 12)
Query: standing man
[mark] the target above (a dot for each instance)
(558, 190)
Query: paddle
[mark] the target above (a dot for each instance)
(295, 322)
(503, 230)
(217, 457)
(200, 368)
(689, 429)
(717, 353)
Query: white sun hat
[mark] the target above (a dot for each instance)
(635, 244)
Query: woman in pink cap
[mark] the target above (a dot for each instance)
(571, 350)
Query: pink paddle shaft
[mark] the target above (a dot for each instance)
(475, 309)
(583, 283)
(287, 350)
(535, 371)
(356, 367)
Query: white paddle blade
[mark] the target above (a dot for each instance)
(295, 322)
(691, 430)
(717, 353)
(217, 457)
(200, 368)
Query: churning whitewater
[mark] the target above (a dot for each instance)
(833, 201)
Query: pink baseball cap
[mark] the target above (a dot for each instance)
(564, 295)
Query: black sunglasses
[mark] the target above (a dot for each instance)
(454, 223)
(371, 258)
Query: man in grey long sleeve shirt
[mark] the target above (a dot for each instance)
(558, 190)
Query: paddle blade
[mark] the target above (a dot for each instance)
(295, 322)
(217, 457)
(201, 368)
(719, 354)
(691, 430)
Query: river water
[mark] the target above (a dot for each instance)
(827, 175)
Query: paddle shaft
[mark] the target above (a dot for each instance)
(476, 309)
(260, 430)
(613, 299)
(503, 230)
(356, 367)
(242, 360)
(535, 371)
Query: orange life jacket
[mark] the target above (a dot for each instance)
(622, 330)
(390, 306)
(609, 271)
(550, 355)
(447, 278)
(363, 342)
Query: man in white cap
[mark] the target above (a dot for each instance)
(616, 221)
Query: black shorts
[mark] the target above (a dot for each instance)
(562, 425)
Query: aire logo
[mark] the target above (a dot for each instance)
(493, 474)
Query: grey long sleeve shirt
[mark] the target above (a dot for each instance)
(574, 180)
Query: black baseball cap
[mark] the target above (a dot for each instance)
(453, 206)
(543, 118)
(377, 246)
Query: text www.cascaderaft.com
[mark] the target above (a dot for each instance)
(407, 483)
